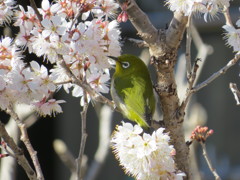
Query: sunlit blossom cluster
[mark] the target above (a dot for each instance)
(19, 83)
(232, 36)
(6, 11)
(188, 7)
(80, 33)
(84, 46)
(145, 156)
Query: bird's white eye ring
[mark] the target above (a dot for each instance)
(125, 65)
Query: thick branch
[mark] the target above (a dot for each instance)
(141, 22)
(166, 57)
(176, 29)
(18, 153)
(166, 89)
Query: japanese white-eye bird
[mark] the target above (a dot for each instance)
(132, 89)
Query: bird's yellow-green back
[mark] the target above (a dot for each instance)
(132, 89)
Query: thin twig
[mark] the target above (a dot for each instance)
(188, 47)
(204, 50)
(227, 16)
(223, 70)
(76, 17)
(63, 82)
(6, 149)
(94, 95)
(34, 6)
(140, 43)
(26, 141)
(18, 153)
(235, 91)
(209, 163)
(83, 138)
(191, 81)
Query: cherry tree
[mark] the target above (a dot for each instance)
(76, 37)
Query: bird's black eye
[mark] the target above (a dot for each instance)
(125, 65)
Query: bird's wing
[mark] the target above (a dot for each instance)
(131, 91)
(134, 98)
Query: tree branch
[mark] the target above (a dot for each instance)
(9, 163)
(138, 42)
(63, 82)
(83, 138)
(175, 30)
(217, 74)
(26, 141)
(235, 91)
(25, 113)
(18, 153)
(191, 81)
(165, 53)
(227, 16)
(34, 6)
(204, 50)
(188, 47)
(94, 95)
(140, 21)
(209, 163)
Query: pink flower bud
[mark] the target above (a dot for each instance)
(124, 16)
(201, 133)
(119, 18)
(4, 155)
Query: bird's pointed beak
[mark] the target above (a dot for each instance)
(114, 58)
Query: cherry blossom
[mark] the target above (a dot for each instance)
(6, 11)
(207, 7)
(232, 37)
(145, 156)
(58, 36)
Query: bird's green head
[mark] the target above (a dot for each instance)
(128, 64)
